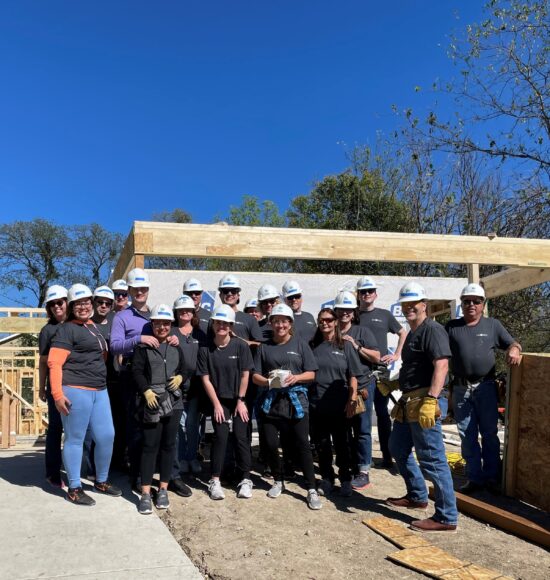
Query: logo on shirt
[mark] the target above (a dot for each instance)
(482, 334)
(376, 320)
(293, 353)
(233, 356)
(337, 352)
(238, 322)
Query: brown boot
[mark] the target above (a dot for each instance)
(430, 526)
(405, 502)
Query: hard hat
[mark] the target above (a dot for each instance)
(119, 285)
(411, 292)
(229, 281)
(266, 292)
(162, 312)
(252, 303)
(104, 291)
(55, 292)
(473, 290)
(184, 302)
(138, 278)
(366, 282)
(345, 299)
(290, 288)
(192, 285)
(77, 292)
(224, 312)
(282, 310)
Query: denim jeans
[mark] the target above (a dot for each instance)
(476, 413)
(432, 465)
(361, 427)
(188, 437)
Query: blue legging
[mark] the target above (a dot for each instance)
(89, 408)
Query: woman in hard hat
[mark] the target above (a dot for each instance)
(79, 387)
(56, 309)
(120, 291)
(285, 365)
(333, 399)
(224, 366)
(363, 341)
(267, 298)
(193, 288)
(251, 307)
(157, 372)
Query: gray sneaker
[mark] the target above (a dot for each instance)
(215, 489)
(313, 501)
(346, 489)
(245, 489)
(276, 489)
(325, 487)
(145, 504)
(162, 502)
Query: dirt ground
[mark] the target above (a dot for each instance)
(281, 538)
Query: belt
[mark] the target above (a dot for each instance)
(471, 383)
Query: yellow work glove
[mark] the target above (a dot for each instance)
(386, 387)
(426, 413)
(151, 399)
(174, 383)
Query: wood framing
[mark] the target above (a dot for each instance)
(224, 241)
(514, 279)
(22, 320)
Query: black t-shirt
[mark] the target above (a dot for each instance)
(304, 326)
(204, 319)
(225, 366)
(381, 322)
(189, 346)
(45, 337)
(329, 393)
(111, 362)
(365, 337)
(474, 347)
(266, 328)
(422, 347)
(85, 366)
(246, 327)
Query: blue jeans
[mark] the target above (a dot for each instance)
(187, 443)
(476, 413)
(432, 465)
(92, 409)
(361, 427)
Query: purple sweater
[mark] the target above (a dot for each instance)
(128, 326)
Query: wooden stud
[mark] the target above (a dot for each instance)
(5, 442)
(513, 410)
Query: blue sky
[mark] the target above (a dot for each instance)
(112, 111)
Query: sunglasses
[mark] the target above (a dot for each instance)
(230, 290)
(194, 293)
(294, 297)
(367, 291)
(104, 302)
(121, 294)
(269, 301)
(58, 303)
(468, 301)
(326, 320)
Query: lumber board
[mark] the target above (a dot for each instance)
(395, 532)
(512, 432)
(21, 324)
(429, 560)
(513, 279)
(517, 525)
(473, 572)
(126, 258)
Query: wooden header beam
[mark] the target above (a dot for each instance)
(22, 320)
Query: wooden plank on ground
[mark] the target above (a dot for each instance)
(473, 572)
(396, 532)
(430, 560)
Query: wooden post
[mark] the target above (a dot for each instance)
(473, 273)
(14, 408)
(512, 431)
(5, 442)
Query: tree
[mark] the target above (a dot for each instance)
(34, 255)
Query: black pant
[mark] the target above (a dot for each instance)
(159, 439)
(53, 439)
(240, 440)
(329, 429)
(133, 424)
(116, 397)
(294, 434)
(383, 422)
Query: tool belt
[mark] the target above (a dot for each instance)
(407, 408)
(459, 381)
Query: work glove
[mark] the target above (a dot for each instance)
(151, 399)
(174, 383)
(387, 387)
(426, 413)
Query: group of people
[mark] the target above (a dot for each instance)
(132, 385)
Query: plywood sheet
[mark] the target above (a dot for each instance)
(429, 560)
(473, 572)
(396, 532)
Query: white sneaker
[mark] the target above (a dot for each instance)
(313, 501)
(184, 466)
(325, 487)
(245, 489)
(345, 489)
(276, 489)
(215, 489)
(196, 466)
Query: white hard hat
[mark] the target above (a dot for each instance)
(162, 312)
(119, 285)
(77, 292)
(266, 292)
(138, 278)
(104, 291)
(224, 312)
(184, 302)
(366, 282)
(229, 281)
(345, 299)
(473, 290)
(252, 303)
(55, 292)
(411, 292)
(192, 285)
(282, 310)
(290, 288)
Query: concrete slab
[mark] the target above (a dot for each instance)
(44, 536)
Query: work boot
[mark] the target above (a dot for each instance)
(431, 526)
(406, 502)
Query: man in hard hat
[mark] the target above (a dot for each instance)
(193, 288)
(120, 290)
(381, 322)
(251, 307)
(417, 424)
(474, 340)
(305, 325)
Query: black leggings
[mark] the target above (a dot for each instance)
(159, 436)
(294, 437)
(329, 429)
(240, 437)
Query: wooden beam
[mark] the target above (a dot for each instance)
(21, 325)
(125, 260)
(512, 431)
(514, 279)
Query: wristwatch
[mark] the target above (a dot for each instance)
(241, 398)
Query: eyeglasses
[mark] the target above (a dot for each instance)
(194, 293)
(230, 290)
(56, 303)
(104, 302)
(161, 323)
(367, 291)
(86, 304)
(326, 320)
(294, 297)
(269, 301)
(121, 294)
(469, 301)
(141, 290)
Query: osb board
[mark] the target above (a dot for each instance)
(395, 532)
(473, 572)
(533, 436)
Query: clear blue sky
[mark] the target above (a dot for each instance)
(111, 111)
